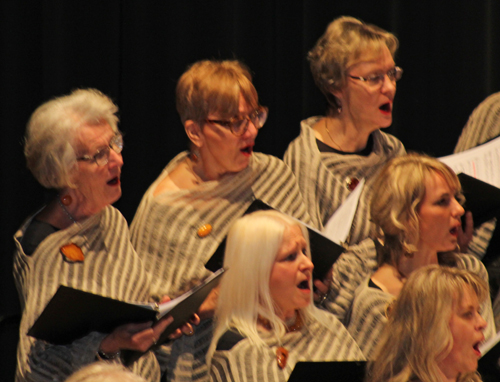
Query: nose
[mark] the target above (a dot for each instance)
(115, 159)
(306, 263)
(388, 87)
(251, 131)
(458, 210)
(481, 323)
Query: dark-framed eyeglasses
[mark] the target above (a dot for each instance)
(376, 80)
(101, 157)
(239, 125)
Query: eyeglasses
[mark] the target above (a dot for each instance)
(101, 157)
(239, 125)
(376, 80)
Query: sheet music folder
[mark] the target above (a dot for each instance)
(481, 198)
(351, 371)
(72, 313)
(324, 252)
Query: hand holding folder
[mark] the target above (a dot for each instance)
(72, 313)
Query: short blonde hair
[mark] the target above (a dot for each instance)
(51, 134)
(214, 87)
(396, 197)
(418, 336)
(345, 43)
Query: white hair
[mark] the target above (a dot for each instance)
(252, 245)
(51, 133)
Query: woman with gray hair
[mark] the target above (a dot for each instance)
(353, 66)
(416, 211)
(266, 321)
(73, 147)
(434, 329)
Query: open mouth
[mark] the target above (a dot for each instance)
(454, 231)
(247, 150)
(304, 285)
(476, 349)
(114, 181)
(386, 107)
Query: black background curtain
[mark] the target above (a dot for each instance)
(134, 51)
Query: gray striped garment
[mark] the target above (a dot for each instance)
(246, 362)
(483, 125)
(322, 177)
(111, 268)
(368, 313)
(165, 233)
(349, 271)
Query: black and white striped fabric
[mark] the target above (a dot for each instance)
(368, 313)
(111, 268)
(323, 177)
(165, 233)
(246, 362)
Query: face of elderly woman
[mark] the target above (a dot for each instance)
(439, 216)
(97, 186)
(290, 282)
(223, 152)
(369, 106)
(466, 326)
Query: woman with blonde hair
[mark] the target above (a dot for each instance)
(353, 65)
(416, 208)
(434, 329)
(266, 320)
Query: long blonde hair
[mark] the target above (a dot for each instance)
(252, 245)
(417, 335)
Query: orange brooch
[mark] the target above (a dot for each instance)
(72, 253)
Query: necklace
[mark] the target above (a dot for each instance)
(71, 252)
(65, 210)
(282, 352)
(330, 135)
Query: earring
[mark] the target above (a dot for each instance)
(66, 200)
(195, 155)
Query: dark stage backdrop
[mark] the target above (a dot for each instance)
(135, 50)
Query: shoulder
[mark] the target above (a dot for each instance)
(306, 139)
(472, 264)
(389, 143)
(228, 340)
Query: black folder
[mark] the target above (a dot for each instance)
(488, 364)
(324, 252)
(349, 371)
(481, 198)
(73, 313)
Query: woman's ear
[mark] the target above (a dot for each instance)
(194, 133)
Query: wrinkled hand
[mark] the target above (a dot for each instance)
(207, 309)
(465, 235)
(134, 336)
(186, 328)
(322, 287)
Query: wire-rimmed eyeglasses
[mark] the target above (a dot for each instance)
(101, 157)
(376, 80)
